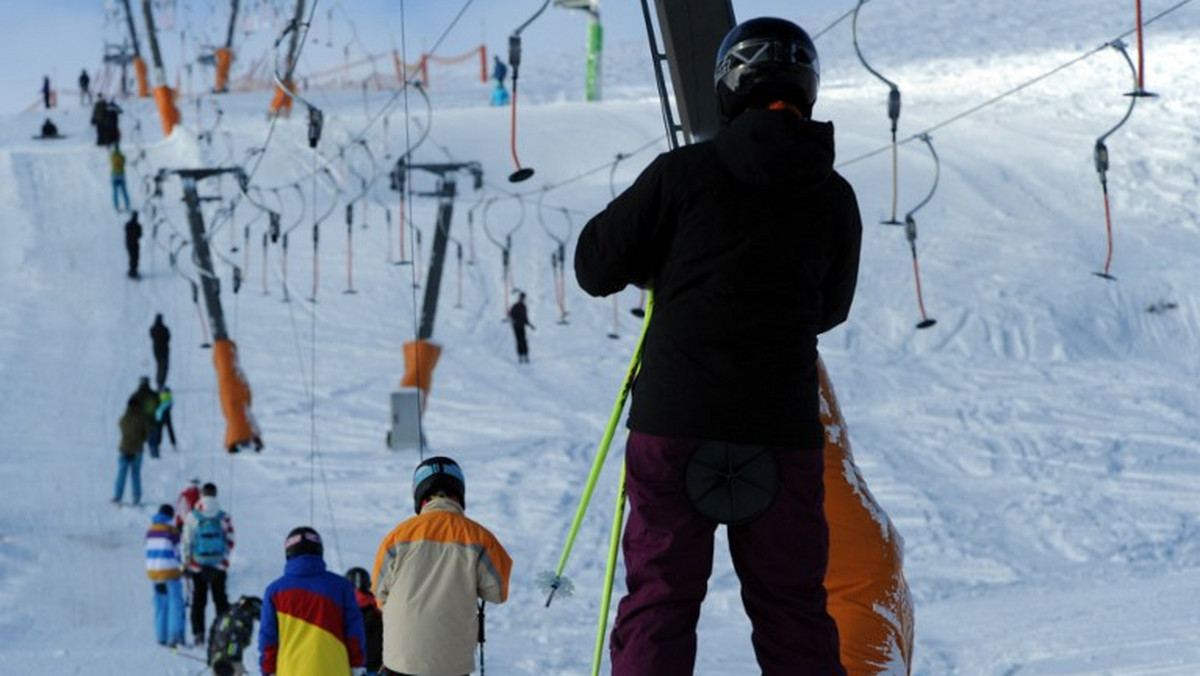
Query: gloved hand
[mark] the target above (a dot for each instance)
(160, 588)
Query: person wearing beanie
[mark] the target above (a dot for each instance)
(372, 618)
(310, 624)
(429, 572)
(162, 567)
(206, 545)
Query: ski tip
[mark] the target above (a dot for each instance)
(520, 175)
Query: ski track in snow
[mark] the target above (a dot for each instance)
(1037, 448)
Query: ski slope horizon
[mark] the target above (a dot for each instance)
(1038, 448)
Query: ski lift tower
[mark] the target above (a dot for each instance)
(595, 43)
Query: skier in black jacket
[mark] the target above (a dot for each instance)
(518, 314)
(133, 244)
(750, 243)
(160, 337)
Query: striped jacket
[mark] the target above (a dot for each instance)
(428, 573)
(162, 550)
(311, 624)
(208, 506)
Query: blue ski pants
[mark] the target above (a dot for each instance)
(132, 466)
(119, 191)
(168, 612)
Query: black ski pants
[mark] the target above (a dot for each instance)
(208, 579)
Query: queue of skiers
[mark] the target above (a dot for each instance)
(419, 612)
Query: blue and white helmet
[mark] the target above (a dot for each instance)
(438, 474)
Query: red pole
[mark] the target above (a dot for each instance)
(1141, 58)
(483, 64)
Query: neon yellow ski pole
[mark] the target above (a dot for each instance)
(556, 579)
(610, 571)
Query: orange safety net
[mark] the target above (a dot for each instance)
(164, 96)
(420, 356)
(224, 57)
(240, 427)
(143, 77)
(281, 104)
(868, 596)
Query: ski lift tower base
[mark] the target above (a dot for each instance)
(405, 433)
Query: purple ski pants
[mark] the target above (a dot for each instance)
(780, 559)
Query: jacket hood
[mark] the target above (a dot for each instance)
(305, 564)
(440, 504)
(209, 505)
(776, 147)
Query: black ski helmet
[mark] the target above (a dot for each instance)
(438, 474)
(360, 578)
(766, 59)
(302, 540)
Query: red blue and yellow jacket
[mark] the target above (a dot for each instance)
(311, 624)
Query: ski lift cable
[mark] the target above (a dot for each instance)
(508, 235)
(1014, 90)
(910, 233)
(893, 112)
(542, 221)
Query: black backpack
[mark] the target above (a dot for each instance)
(231, 631)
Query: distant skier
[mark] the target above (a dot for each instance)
(311, 623)
(116, 161)
(230, 635)
(518, 314)
(49, 129)
(207, 544)
(162, 415)
(133, 239)
(429, 572)
(85, 94)
(162, 566)
(186, 502)
(751, 243)
(160, 338)
(372, 618)
(500, 96)
(47, 93)
(135, 429)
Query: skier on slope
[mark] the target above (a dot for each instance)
(430, 570)
(207, 545)
(162, 567)
(133, 243)
(372, 618)
(311, 624)
(750, 242)
(160, 339)
(518, 314)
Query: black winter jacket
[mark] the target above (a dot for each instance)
(751, 244)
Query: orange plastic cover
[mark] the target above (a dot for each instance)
(282, 103)
(164, 96)
(224, 58)
(420, 356)
(240, 427)
(868, 595)
(143, 77)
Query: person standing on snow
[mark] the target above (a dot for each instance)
(47, 93)
(500, 95)
(518, 314)
(135, 429)
(188, 498)
(116, 161)
(430, 570)
(372, 618)
(160, 338)
(207, 544)
(162, 566)
(310, 624)
(133, 244)
(751, 244)
(85, 94)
